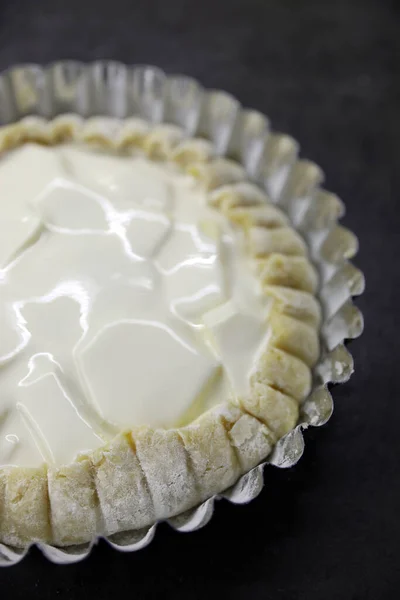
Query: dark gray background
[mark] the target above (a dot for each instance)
(327, 72)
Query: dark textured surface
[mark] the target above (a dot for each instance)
(326, 72)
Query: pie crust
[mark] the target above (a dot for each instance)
(144, 475)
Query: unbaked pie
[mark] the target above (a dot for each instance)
(158, 324)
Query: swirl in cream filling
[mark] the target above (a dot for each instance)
(124, 300)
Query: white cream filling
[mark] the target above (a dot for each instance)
(124, 300)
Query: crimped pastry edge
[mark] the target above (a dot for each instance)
(272, 412)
